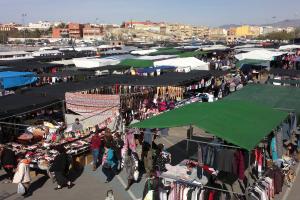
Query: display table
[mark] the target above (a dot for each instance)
(180, 172)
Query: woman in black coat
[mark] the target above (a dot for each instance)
(60, 166)
(8, 161)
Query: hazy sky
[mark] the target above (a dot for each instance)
(198, 12)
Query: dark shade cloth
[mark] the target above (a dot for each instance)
(8, 157)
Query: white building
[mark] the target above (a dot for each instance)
(41, 25)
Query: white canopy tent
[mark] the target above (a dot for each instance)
(261, 54)
(289, 47)
(183, 64)
(92, 62)
(143, 52)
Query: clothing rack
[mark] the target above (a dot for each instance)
(204, 186)
(213, 144)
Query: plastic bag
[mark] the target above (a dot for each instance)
(149, 195)
(136, 175)
(21, 189)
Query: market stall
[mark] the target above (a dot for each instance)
(237, 141)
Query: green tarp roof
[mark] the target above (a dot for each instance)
(280, 97)
(241, 123)
(191, 54)
(136, 63)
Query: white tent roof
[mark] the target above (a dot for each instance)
(189, 63)
(143, 52)
(158, 57)
(92, 62)
(289, 47)
(213, 47)
(261, 54)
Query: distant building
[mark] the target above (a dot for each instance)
(217, 33)
(93, 32)
(60, 33)
(231, 32)
(8, 27)
(75, 30)
(145, 26)
(41, 25)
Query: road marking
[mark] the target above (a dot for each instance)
(133, 197)
(289, 189)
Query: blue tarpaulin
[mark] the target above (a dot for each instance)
(153, 69)
(9, 79)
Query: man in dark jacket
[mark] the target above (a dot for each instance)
(59, 166)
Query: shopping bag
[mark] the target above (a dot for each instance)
(21, 188)
(149, 195)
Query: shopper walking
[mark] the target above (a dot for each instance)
(109, 164)
(95, 148)
(60, 167)
(118, 144)
(8, 161)
(22, 175)
(130, 165)
(161, 158)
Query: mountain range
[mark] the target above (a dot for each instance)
(279, 24)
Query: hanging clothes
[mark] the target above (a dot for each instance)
(225, 161)
(239, 164)
(279, 144)
(130, 142)
(274, 149)
(258, 160)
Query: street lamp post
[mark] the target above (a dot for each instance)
(23, 22)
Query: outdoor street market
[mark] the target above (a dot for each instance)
(172, 131)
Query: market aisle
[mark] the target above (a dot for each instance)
(88, 186)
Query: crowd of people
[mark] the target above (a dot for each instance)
(110, 152)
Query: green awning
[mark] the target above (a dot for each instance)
(136, 63)
(280, 97)
(191, 54)
(240, 63)
(241, 123)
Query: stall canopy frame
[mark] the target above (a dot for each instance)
(238, 122)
